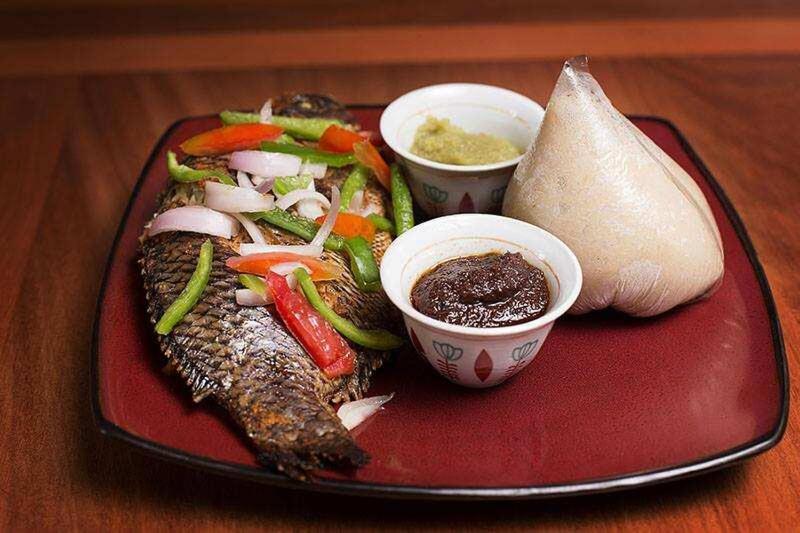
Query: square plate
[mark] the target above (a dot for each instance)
(610, 401)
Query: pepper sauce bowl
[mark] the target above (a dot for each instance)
(444, 189)
(470, 356)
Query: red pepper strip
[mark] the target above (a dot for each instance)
(368, 156)
(338, 139)
(325, 346)
(350, 225)
(344, 366)
(230, 139)
(260, 264)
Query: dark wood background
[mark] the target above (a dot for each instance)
(86, 88)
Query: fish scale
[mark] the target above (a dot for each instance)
(244, 358)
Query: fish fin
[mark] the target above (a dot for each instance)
(197, 379)
(345, 454)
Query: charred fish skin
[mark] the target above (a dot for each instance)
(311, 106)
(244, 358)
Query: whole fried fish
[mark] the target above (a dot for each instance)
(243, 357)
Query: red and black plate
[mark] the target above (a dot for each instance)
(610, 402)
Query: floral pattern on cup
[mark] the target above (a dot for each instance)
(498, 194)
(483, 365)
(435, 194)
(519, 356)
(466, 205)
(449, 355)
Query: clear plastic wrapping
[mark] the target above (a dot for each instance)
(639, 225)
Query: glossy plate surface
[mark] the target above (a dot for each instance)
(610, 401)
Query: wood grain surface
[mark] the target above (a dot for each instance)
(72, 147)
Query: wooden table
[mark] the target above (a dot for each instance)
(72, 146)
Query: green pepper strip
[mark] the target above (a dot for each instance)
(356, 181)
(254, 283)
(362, 263)
(286, 139)
(305, 228)
(402, 205)
(381, 223)
(310, 129)
(185, 174)
(191, 293)
(288, 184)
(376, 339)
(237, 117)
(311, 155)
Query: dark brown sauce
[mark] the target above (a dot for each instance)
(483, 291)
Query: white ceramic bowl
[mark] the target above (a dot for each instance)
(478, 357)
(442, 189)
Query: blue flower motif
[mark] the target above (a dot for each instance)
(434, 194)
(449, 352)
(521, 352)
(497, 194)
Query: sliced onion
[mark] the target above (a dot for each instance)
(291, 281)
(284, 269)
(315, 170)
(232, 199)
(311, 208)
(353, 413)
(265, 115)
(356, 202)
(267, 164)
(368, 209)
(326, 228)
(265, 184)
(194, 218)
(300, 249)
(251, 228)
(243, 180)
(289, 199)
(252, 298)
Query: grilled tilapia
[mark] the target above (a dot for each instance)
(243, 357)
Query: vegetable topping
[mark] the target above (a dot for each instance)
(368, 155)
(382, 223)
(230, 139)
(350, 225)
(195, 218)
(262, 263)
(186, 174)
(356, 181)
(377, 339)
(338, 139)
(265, 164)
(190, 294)
(402, 205)
(325, 346)
(362, 263)
(310, 155)
(353, 413)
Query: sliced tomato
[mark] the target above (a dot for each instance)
(351, 225)
(230, 139)
(260, 264)
(326, 347)
(344, 366)
(338, 139)
(372, 136)
(368, 156)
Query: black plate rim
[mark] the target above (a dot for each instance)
(609, 484)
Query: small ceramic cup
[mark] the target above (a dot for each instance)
(443, 189)
(478, 357)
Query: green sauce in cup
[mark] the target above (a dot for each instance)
(437, 139)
